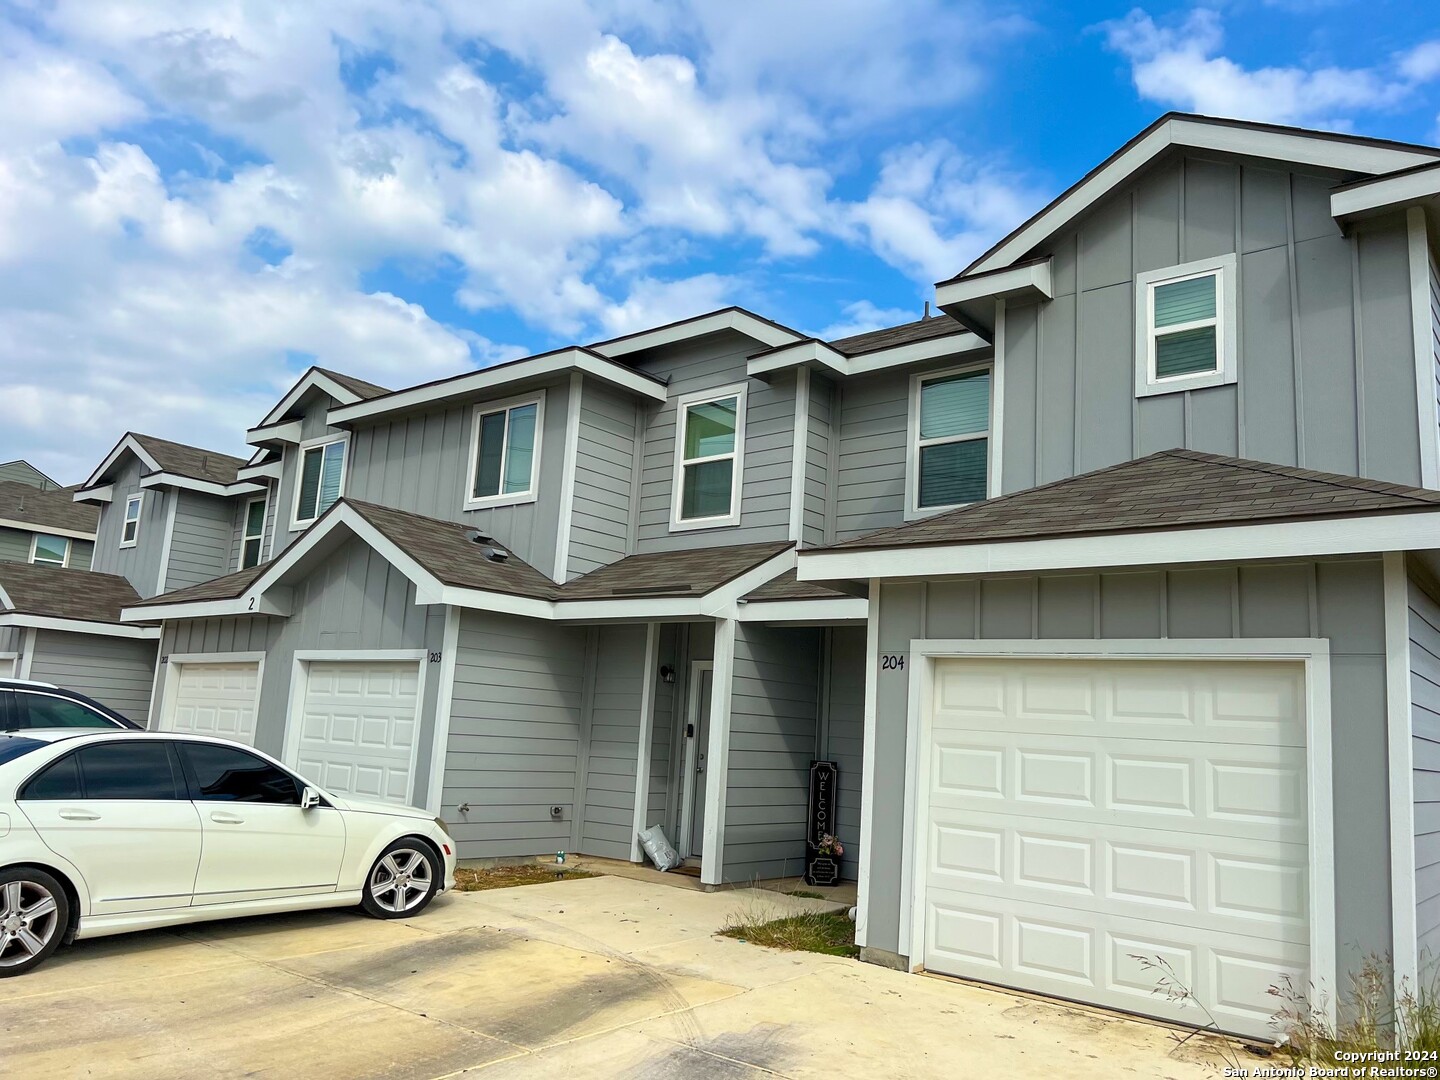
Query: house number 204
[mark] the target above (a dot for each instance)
(891, 662)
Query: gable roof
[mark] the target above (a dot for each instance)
(788, 587)
(926, 329)
(23, 505)
(359, 387)
(766, 331)
(58, 593)
(25, 473)
(172, 458)
(692, 572)
(343, 389)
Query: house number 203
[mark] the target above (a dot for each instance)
(891, 662)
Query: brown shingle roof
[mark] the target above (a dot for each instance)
(191, 461)
(55, 508)
(359, 387)
(59, 593)
(221, 588)
(1174, 488)
(936, 326)
(788, 587)
(671, 573)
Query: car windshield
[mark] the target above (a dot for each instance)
(36, 710)
(14, 747)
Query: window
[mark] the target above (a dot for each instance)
(60, 781)
(320, 478)
(43, 711)
(50, 550)
(130, 530)
(132, 769)
(709, 443)
(505, 453)
(949, 440)
(1185, 327)
(253, 534)
(227, 774)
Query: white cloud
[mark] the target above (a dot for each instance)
(862, 316)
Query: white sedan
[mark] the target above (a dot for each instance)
(107, 831)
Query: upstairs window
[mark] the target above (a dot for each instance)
(710, 438)
(321, 478)
(1185, 327)
(505, 453)
(47, 550)
(253, 534)
(130, 530)
(950, 440)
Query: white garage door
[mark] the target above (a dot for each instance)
(1084, 813)
(216, 699)
(358, 728)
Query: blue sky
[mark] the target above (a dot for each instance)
(199, 200)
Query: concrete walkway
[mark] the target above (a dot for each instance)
(598, 977)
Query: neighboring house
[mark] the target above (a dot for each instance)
(25, 473)
(45, 526)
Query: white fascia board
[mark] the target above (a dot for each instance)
(103, 494)
(488, 600)
(1415, 531)
(207, 487)
(5, 601)
(813, 353)
(198, 609)
(1385, 193)
(818, 612)
(48, 530)
(127, 443)
(740, 321)
(79, 626)
(270, 470)
(288, 431)
(1031, 280)
(312, 379)
(917, 352)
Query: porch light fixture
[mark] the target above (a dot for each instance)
(667, 673)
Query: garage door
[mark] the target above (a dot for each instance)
(216, 699)
(358, 728)
(1087, 818)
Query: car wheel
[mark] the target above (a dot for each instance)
(403, 880)
(34, 912)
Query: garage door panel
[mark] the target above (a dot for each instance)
(358, 728)
(218, 699)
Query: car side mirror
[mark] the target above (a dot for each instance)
(309, 798)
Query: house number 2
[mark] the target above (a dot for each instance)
(891, 662)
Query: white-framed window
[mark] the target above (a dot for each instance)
(505, 452)
(948, 454)
(709, 458)
(319, 477)
(252, 533)
(47, 550)
(1185, 327)
(130, 527)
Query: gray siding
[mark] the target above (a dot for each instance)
(237, 527)
(845, 700)
(1425, 749)
(314, 407)
(662, 802)
(818, 438)
(25, 473)
(614, 734)
(82, 554)
(1340, 600)
(1435, 329)
(114, 671)
(1326, 375)
(604, 479)
(421, 463)
(200, 540)
(774, 707)
(515, 736)
(14, 545)
(710, 364)
(140, 564)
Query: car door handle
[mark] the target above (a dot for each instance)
(79, 815)
(222, 818)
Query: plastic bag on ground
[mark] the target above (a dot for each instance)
(659, 848)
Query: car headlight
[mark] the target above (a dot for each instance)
(439, 824)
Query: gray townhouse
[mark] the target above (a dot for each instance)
(1111, 589)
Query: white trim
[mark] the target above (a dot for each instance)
(996, 449)
(27, 656)
(799, 453)
(717, 760)
(563, 361)
(78, 626)
(805, 612)
(1403, 916)
(1385, 193)
(48, 530)
(139, 500)
(470, 501)
(1351, 535)
(868, 746)
(444, 702)
(312, 379)
(172, 500)
(1423, 336)
(296, 521)
(10, 658)
(817, 354)
(913, 510)
(646, 739)
(683, 404)
(684, 833)
(35, 544)
(728, 319)
(128, 442)
(170, 685)
(971, 295)
(103, 494)
(1223, 269)
(189, 483)
(263, 500)
(1303, 148)
(569, 465)
(287, 431)
(1313, 653)
(269, 470)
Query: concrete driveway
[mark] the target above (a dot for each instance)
(596, 977)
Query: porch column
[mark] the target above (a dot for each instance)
(648, 676)
(717, 761)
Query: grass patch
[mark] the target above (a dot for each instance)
(475, 879)
(806, 894)
(828, 932)
(1372, 1017)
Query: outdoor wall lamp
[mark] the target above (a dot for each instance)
(667, 673)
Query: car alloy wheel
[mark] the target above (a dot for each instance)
(29, 921)
(401, 880)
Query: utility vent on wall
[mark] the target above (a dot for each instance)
(488, 547)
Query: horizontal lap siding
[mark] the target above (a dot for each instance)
(614, 742)
(115, 672)
(1425, 744)
(82, 554)
(604, 479)
(14, 545)
(774, 707)
(200, 540)
(846, 729)
(515, 730)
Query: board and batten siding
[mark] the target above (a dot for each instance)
(1326, 371)
(516, 725)
(117, 672)
(711, 363)
(774, 710)
(614, 740)
(666, 735)
(314, 408)
(604, 479)
(1435, 328)
(845, 729)
(819, 436)
(140, 565)
(1425, 752)
(200, 540)
(421, 463)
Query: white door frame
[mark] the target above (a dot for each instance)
(171, 683)
(687, 782)
(9, 658)
(299, 685)
(1313, 653)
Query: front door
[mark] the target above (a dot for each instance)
(697, 750)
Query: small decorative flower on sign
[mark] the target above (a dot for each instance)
(829, 845)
